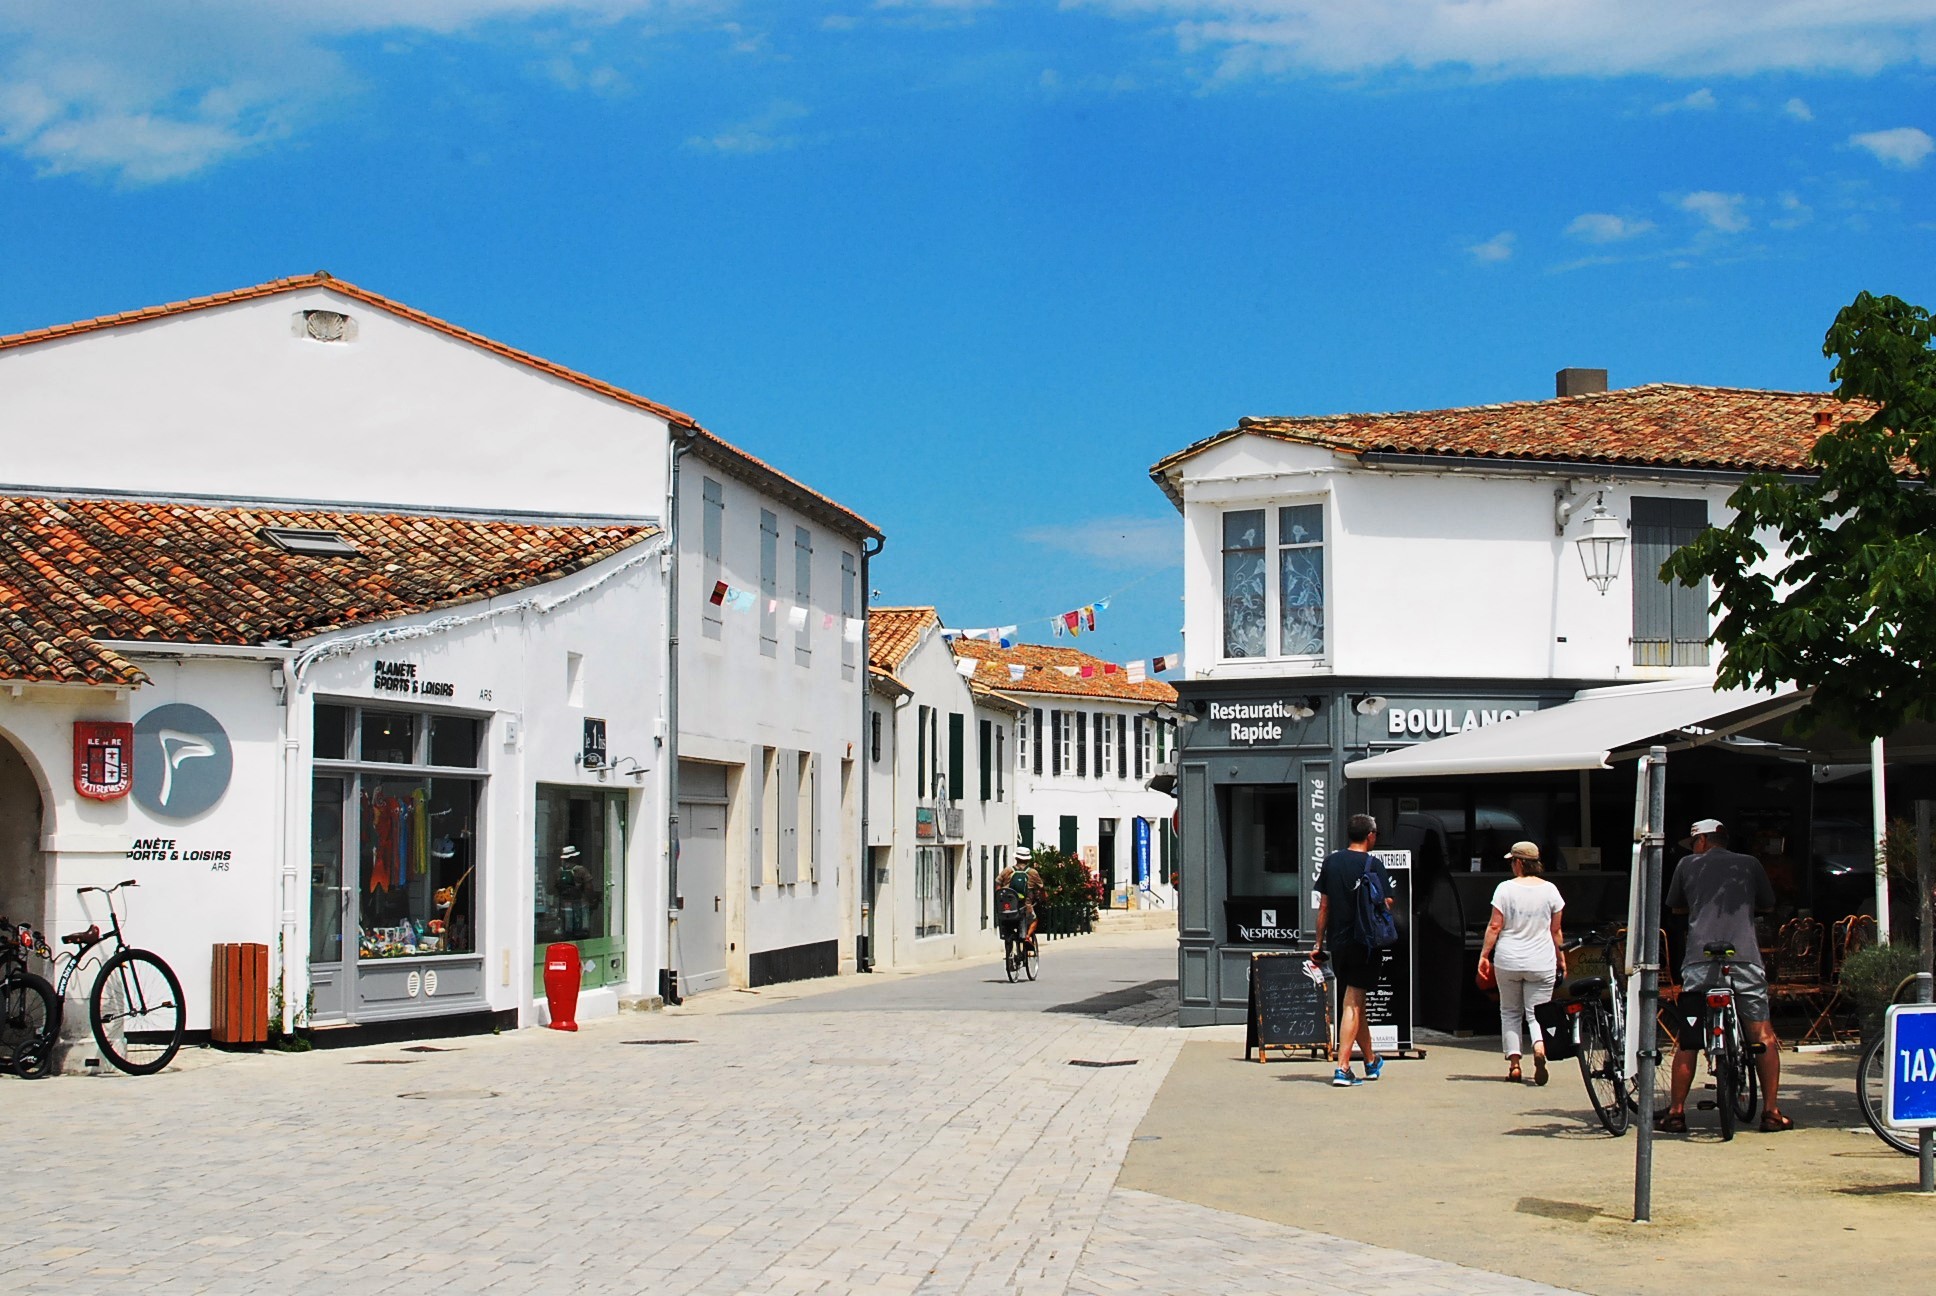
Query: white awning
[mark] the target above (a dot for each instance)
(1596, 727)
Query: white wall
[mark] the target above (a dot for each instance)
(1427, 573)
(231, 401)
(1117, 795)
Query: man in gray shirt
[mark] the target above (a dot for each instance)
(1721, 890)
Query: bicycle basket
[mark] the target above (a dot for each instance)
(1556, 1024)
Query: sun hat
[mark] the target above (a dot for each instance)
(1523, 850)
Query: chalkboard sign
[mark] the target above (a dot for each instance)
(1288, 1010)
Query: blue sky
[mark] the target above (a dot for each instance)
(972, 266)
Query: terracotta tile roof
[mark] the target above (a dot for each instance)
(1654, 425)
(75, 571)
(323, 279)
(1041, 675)
(893, 633)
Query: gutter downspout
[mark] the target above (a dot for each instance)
(866, 691)
(680, 443)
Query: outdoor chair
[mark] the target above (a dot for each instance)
(1855, 932)
(1795, 971)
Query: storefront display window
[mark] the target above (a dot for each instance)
(326, 870)
(416, 865)
(578, 865)
(934, 891)
(1260, 839)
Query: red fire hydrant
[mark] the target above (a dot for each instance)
(562, 973)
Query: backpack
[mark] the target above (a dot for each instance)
(1377, 925)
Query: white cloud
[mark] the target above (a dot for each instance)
(1115, 541)
(1604, 227)
(1799, 110)
(1702, 38)
(1722, 212)
(762, 133)
(1904, 146)
(1495, 249)
(153, 90)
(1794, 212)
(1701, 100)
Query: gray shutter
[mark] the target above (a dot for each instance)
(756, 803)
(769, 584)
(813, 814)
(789, 817)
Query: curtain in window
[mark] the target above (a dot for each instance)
(1243, 583)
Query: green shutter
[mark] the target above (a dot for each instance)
(1025, 830)
(984, 750)
(1068, 835)
(957, 754)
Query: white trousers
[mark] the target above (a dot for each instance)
(1518, 993)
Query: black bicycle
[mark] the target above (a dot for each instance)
(29, 1007)
(1020, 954)
(1592, 1020)
(1730, 1058)
(135, 1006)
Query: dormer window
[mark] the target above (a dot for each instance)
(296, 540)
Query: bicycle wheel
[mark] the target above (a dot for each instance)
(136, 1011)
(1727, 1081)
(1031, 960)
(1008, 958)
(1600, 1068)
(1747, 1091)
(1869, 1080)
(29, 1021)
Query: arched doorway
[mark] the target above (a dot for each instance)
(23, 869)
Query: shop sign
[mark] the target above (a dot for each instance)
(1261, 922)
(103, 758)
(924, 829)
(182, 761)
(1409, 720)
(401, 677)
(1255, 723)
(1317, 820)
(593, 754)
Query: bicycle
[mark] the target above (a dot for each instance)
(1730, 1058)
(135, 1006)
(1019, 952)
(1870, 1078)
(29, 1009)
(1591, 1021)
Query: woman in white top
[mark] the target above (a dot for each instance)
(1523, 954)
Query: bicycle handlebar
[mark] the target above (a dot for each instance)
(106, 890)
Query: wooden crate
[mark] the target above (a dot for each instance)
(239, 995)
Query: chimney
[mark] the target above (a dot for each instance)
(1579, 382)
(1823, 421)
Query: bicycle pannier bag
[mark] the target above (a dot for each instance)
(1556, 1024)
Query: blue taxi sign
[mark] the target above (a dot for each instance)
(1909, 1084)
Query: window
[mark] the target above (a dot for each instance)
(957, 754)
(849, 610)
(1022, 744)
(1669, 620)
(934, 891)
(1105, 745)
(1243, 583)
(1260, 841)
(802, 596)
(712, 562)
(984, 756)
(1142, 764)
(296, 540)
(1300, 580)
(874, 736)
(1065, 743)
(1146, 758)
(769, 584)
(398, 794)
(578, 869)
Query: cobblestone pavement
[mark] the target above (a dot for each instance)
(699, 1150)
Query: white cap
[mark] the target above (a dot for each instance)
(1705, 827)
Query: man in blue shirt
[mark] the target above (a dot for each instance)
(1353, 958)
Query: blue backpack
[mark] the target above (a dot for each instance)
(1377, 925)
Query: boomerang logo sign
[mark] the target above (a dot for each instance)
(177, 747)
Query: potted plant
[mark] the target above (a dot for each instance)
(1870, 977)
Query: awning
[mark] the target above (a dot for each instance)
(1596, 728)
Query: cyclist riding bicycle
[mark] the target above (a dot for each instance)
(1021, 883)
(1720, 891)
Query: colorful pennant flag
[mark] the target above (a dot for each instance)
(851, 632)
(966, 667)
(1087, 672)
(796, 618)
(1135, 672)
(1016, 670)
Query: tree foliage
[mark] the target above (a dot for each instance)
(1847, 602)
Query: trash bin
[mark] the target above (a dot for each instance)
(562, 973)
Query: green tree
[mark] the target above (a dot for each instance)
(1847, 606)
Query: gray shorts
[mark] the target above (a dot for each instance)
(1750, 982)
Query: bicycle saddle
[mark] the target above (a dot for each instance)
(85, 938)
(1718, 950)
(1586, 987)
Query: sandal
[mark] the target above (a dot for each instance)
(1539, 1069)
(1774, 1122)
(1671, 1122)
(1512, 1074)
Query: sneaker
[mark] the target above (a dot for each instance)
(1374, 1069)
(1343, 1079)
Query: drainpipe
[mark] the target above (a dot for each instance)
(866, 690)
(681, 442)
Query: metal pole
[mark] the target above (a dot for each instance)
(1653, 786)
(1879, 811)
(1926, 1143)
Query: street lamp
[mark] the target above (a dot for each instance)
(1601, 541)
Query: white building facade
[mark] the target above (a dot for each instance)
(1362, 582)
(942, 795)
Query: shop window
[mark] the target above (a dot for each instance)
(454, 741)
(332, 741)
(1669, 619)
(1300, 580)
(1260, 839)
(934, 891)
(578, 868)
(1243, 583)
(389, 738)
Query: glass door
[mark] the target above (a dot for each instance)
(578, 872)
(329, 899)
